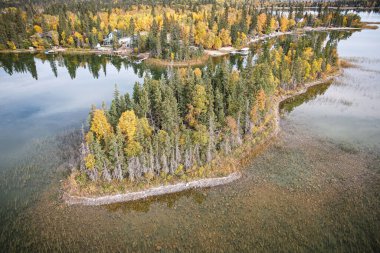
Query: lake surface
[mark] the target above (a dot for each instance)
(348, 110)
(315, 188)
(42, 94)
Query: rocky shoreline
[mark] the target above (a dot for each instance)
(156, 191)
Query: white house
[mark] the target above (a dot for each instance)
(109, 39)
(126, 41)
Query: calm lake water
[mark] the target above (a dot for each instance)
(348, 110)
(43, 94)
(315, 188)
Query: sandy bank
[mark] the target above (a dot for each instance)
(161, 190)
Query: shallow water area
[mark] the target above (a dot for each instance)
(348, 109)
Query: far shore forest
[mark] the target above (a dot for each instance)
(190, 122)
(171, 30)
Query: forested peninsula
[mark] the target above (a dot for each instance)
(193, 126)
(195, 123)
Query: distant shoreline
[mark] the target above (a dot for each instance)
(193, 62)
(227, 50)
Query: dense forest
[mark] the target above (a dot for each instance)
(173, 30)
(176, 126)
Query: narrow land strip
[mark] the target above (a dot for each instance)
(156, 191)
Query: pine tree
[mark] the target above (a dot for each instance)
(116, 155)
(115, 110)
(132, 28)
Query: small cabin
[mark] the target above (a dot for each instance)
(126, 41)
(108, 40)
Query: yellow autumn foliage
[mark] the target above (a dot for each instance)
(89, 161)
(200, 100)
(89, 137)
(261, 99)
(197, 72)
(291, 23)
(308, 53)
(182, 72)
(99, 125)
(217, 43)
(146, 128)
(273, 24)
(307, 70)
(128, 124)
(316, 67)
(70, 40)
(209, 40)
(200, 33)
(284, 24)
(225, 36)
(162, 136)
(261, 20)
(328, 68)
(200, 135)
(37, 29)
(133, 148)
(11, 45)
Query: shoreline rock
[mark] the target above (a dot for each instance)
(156, 191)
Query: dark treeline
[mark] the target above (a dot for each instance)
(172, 30)
(95, 64)
(175, 126)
